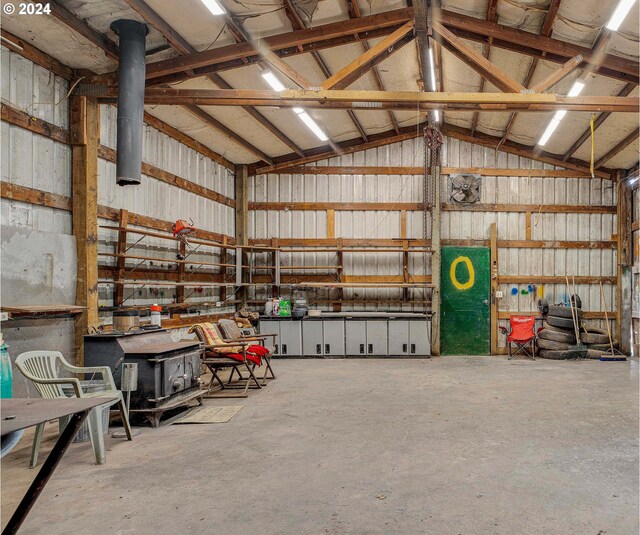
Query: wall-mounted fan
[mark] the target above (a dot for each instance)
(465, 189)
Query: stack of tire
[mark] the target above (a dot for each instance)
(557, 339)
(597, 341)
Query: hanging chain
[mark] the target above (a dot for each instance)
(432, 142)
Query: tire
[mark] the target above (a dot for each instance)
(562, 323)
(552, 345)
(556, 336)
(543, 306)
(563, 312)
(594, 354)
(576, 301)
(605, 347)
(594, 338)
(593, 330)
(548, 327)
(557, 355)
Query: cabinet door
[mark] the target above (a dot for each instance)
(419, 337)
(271, 327)
(290, 338)
(333, 336)
(398, 338)
(377, 338)
(312, 338)
(356, 338)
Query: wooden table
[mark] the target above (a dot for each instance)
(17, 414)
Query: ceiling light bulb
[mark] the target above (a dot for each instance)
(313, 126)
(620, 13)
(273, 81)
(214, 6)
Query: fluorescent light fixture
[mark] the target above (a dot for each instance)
(576, 89)
(622, 10)
(432, 70)
(551, 128)
(214, 6)
(273, 81)
(436, 115)
(311, 124)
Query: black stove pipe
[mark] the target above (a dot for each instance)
(131, 81)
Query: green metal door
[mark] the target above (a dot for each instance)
(465, 290)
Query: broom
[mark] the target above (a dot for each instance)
(612, 356)
(579, 348)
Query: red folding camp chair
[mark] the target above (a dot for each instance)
(522, 333)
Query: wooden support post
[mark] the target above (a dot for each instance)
(331, 223)
(493, 231)
(121, 261)
(337, 307)
(242, 237)
(85, 133)
(435, 262)
(275, 287)
(625, 260)
(405, 268)
(224, 259)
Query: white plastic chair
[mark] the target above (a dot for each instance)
(41, 367)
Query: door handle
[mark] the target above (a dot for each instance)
(327, 349)
(404, 348)
(276, 347)
(319, 349)
(485, 302)
(284, 349)
(370, 348)
(413, 348)
(361, 348)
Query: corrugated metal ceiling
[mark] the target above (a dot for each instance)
(577, 21)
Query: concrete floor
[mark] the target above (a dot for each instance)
(455, 445)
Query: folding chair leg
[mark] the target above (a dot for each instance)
(510, 355)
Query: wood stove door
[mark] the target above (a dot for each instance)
(192, 368)
(173, 375)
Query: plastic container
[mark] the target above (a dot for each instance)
(6, 377)
(156, 318)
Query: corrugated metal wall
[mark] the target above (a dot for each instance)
(30, 159)
(456, 225)
(35, 161)
(160, 200)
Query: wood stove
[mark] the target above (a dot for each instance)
(168, 371)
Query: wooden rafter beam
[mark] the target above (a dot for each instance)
(492, 16)
(532, 152)
(626, 91)
(372, 57)
(354, 12)
(102, 41)
(631, 138)
(82, 27)
(294, 39)
(557, 75)
(547, 28)
(477, 61)
(386, 138)
(299, 25)
(364, 99)
(346, 147)
(217, 125)
(182, 46)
